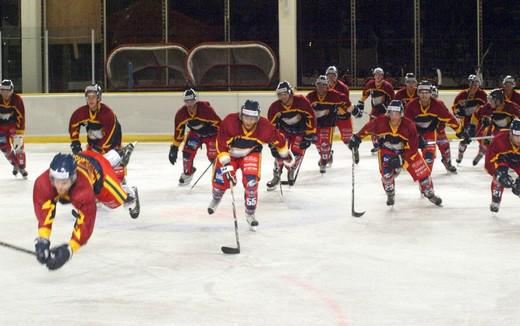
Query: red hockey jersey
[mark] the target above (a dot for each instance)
(500, 117)
(464, 105)
(427, 118)
(404, 96)
(326, 108)
(298, 118)
(501, 152)
(204, 122)
(12, 113)
(380, 95)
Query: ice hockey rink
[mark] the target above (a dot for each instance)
(309, 263)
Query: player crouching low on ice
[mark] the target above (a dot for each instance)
(503, 154)
(398, 148)
(239, 146)
(81, 180)
(203, 123)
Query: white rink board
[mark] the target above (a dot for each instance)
(148, 113)
(309, 263)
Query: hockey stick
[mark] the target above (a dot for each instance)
(231, 250)
(297, 171)
(442, 141)
(7, 245)
(203, 173)
(355, 156)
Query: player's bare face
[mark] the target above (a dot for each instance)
(190, 104)
(411, 85)
(6, 94)
(515, 140)
(378, 78)
(62, 185)
(92, 100)
(332, 78)
(322, 89)
(249, 122)
(395, 118)
(284, 98)
(424, 97)
(508, 87)
(474, 87)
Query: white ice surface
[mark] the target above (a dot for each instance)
(309, 263)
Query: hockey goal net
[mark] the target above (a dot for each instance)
(231, 64)
(147, 66)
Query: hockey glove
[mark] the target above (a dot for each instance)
(41, 246)
(354, 142)
(75, 146)
(422, 142)
(59, 256)
(174, 150)
(503, 177)
(308, 140)
(226, 172)
(465, 136)
(274, 151)
(516, 187)
(357, 110)
(395, 162)
(485, 122)
(17, 143)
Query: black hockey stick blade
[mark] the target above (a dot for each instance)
(357, 214)
(7, 245)
(230, 250)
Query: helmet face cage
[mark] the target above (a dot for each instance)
(96, 89)
(7, 85)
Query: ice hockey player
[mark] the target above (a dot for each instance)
(398, 149)
(427, 113)
(465, 103)
(294, 117)
(203, 123)
(443, 143)
(12, 127)
(504, 154)
(343, 115)
(79, 179)
(103, 131)
(326, 103)
(381, 93)
(497, 114)
(409, 91)
(239, 146)
(509, 90)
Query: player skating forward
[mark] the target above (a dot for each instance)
(294, 117)
(343, 115)
(443, 142)
(326, 103)
(381, 93)
(427, 113)
(103, 131)
(239, 146)
(497, 114)
(79, 179)
(398, 148)
(12, 127)
(509, 90)
(203, 123)
(503, 155)
(465, 103)
(408, 92)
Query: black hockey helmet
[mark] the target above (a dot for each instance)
(7, 85)
(424, 86)
(94, 88)
(284, 87)
(321, 80)
(63, 166)
(395, 106)
(410, 78)
(514, 129)
(190, 94)
(497, 94)
(435, 91)
(250, 109)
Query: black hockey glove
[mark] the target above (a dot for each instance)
(354, 142)
(174, 150)
(59, 256)
(41, 246)
(503, 177)
(422, 142)
(357, 110)
(274, 151)
(485, 122)
(75, 146)
(308, 140)
(395, 162)
(516, 187)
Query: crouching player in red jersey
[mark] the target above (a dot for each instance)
(203, 124)
(80, 179)
(398, 147)
(293, 116)
(503, 154)
(12, 127)
(239, 146)
(103, 131)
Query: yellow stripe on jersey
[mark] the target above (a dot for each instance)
(113, 187)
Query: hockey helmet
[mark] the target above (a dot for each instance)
(378, 70)
(496, 94)
(321, 80)
(410, 78)
(332, 70)
(395, 106)
(7, 85)
(509, 79)
(424, 86)
(284, 87)
(190, 95)
(250, 109)
(435, 91)
(63, 166)
(94, 88)
(514, 129)
(473, 79)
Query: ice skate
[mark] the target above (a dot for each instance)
(494, 207)
(477, 158)
(212, 208)
(330, 160)
(126, 152)
(449, 167)
(390, 198)
(253, 223)
(273, 184)
(185, 179)
(134, 207)
(291, 176)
